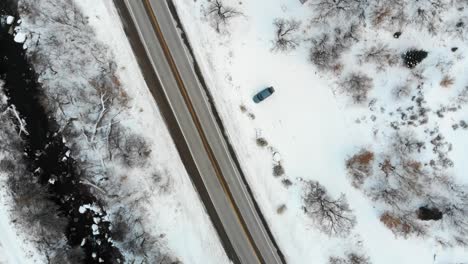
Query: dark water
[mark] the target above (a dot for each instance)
(44, 149)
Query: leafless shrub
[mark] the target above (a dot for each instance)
(163, 183)
(243, 108)
(447, 81)
(278, 170)
(383, 191)
(120, 226)
(144, 248)
(406, 174)
(462, 97)
(331, 216)
(351, 258)
(286, 37)
(405, 143)
(423, 14)
(401, 91)
(359, 166)
(327, 48)
(132, 149)
(220, 14)
(286, 183)
(140, 245)
(427, 14)
(379, 55)
(402, 224)
(68, 256)
(261, 142)
(34, 211)
(8, 131)
(357, 86)
(380, 15)
(323, 53)
(455, 209)
(281, 209)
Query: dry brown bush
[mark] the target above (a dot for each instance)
(360, 166)
(401, 225)
(447, 81)
(281, 209)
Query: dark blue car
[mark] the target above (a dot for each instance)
(263, 94)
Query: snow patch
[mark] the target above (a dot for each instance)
(20, 37)
(10, 20)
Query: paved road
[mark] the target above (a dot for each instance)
(230, 205)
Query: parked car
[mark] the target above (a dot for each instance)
(263, 94)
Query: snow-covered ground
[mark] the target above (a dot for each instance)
(178, 212)
(14, 245)
(312, 126)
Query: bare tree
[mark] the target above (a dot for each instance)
(330, 9)
(332, 216)
(327, 48)
(221, 14)
(285, 34)
(357, 86)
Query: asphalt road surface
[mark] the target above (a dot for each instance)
(169, 72)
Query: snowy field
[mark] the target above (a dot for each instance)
(312, 127)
